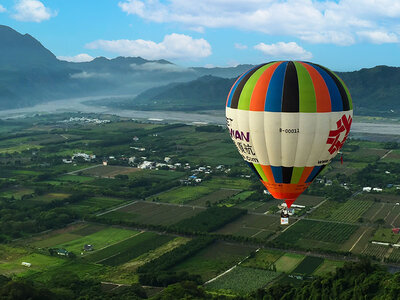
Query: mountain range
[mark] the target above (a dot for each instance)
(30, 74)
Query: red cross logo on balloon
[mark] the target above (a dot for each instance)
(343, 125)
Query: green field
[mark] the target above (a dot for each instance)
(96, 204)
(184, 194)
(213, 197)
(130, 248)
(328, 266)
(242, 280)
(351, 211)
(385, 235)
(214, 260)
(313, 234)
(263, 259)
(375, 251)
(288, 262)
(308, 265)
(75, 178)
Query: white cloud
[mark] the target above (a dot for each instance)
(330, 21)
(155, 66)
(378, 37)
(240, 46)
(173, 46)
(87, 75)
(32, 11)
(2, 9)
(284, 50)
(199, 29)
(83, 57)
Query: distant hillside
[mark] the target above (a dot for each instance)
(375, 91)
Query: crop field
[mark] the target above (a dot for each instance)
(395, 255)
(393, 218)
(215, 259)
(96, 204)
(39, 262)
(263, 259)
(393, 156)
(328, 266)
(288, 262)
(374, 209)
(154, 213)
(123, 251)
(242, 280)
(385, 235)
(50, 197)
(309, 200)
(350, 211)
(110, 171)
(17, 193)
(376, 251)
(183, 194)
(213, 197)
(308, 265)
(251, 225)
(310, 234)
(99, 240)
(75, 178)
(326, 210)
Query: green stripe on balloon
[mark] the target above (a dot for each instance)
(260, 172)
(308, 101)
(245, 95)
(296, 174)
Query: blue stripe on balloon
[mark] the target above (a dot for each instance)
(235, 86)
(313, 173)
(273, 100)
(277, 172)
(336, 98)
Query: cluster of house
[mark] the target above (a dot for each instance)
(369, 189)
(86, 157)
(85, 120)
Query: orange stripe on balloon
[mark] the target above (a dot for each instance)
(230, 91)
(307, 171)
(268, 172)
(257, 101)
(320, 88)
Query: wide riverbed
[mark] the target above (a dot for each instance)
(214, 117)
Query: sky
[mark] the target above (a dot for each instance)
(343, 35)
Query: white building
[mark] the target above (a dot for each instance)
(367, 189)
(375, 189)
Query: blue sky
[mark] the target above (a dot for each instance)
(342, 35)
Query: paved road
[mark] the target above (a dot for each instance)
(80, 170)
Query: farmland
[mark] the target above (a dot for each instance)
(109, 171)
(376, 251)
(242, 280)
(328, 266)
(351, 211)
(288, 262)
(308, 265)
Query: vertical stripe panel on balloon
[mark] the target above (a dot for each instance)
(323, 98)
(342, 91)
(336, 99)
(315, 173)
(347, 92)
(307, 100)
(277, 171)
(268, 172)
(254, 169)
(287, 174)
(320, 136)
(245, 95)
(256, 122)
(232, 91)
(306, 172)
(260, 90)
(260, 172)
(290, 97)
(273, 101)
(296, 174)
(272, 123)
(289, 131)
(307, 126)
(239, 88)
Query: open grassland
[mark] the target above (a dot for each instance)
(314, 234)
(308, 265)
(351, 211)
(385, 235)
(213, 197)
(215, 259)
(328, 266)
(376, 251)
(154, 213)
(75, 178)
(16, 193)
(128, 249)
(288, 262)
(242, 280)
(110, 171)
(263, 259)
(98, 240)
(96, 204)
(252, 226)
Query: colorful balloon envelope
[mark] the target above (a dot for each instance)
(288, 119)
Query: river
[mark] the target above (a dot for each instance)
(213, 117)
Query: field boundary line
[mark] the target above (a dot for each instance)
(290, 226)
(386, 154)
(116, 208)
(394, 220)
(358, 240)
(81, 170)
(227, 271)
(373, 217)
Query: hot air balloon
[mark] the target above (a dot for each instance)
(288, 120)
